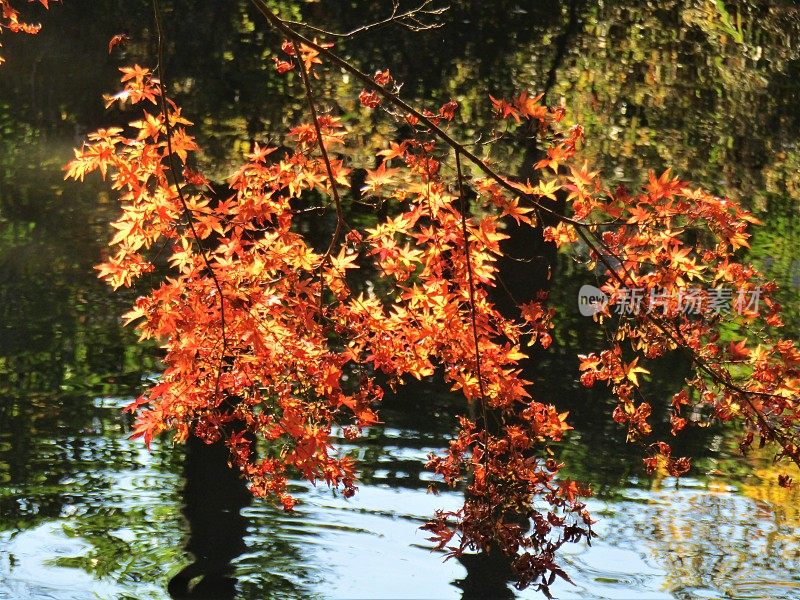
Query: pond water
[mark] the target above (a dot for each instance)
(88, 513)
(706, 87)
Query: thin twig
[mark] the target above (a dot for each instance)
(470, 279)
(340, 220)
(408, 19)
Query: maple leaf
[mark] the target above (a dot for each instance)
(489, 236)
(555, 156)
(135, 73)
(343, 261)
(515, 211)
(182, 144)
(588, 361)
(369, 98)
(395, 150)
(529, 106)
(383, 77)
(526, 188)
(134, 314)
(282, 66)
(739, 240)
(582, 177)
(663, 186)
(150, 126)
(119, 39)
(514, 354)
(260, 153)
(379, 177)
(738, 351)
(632, 370)
(548, 189)
(448, 110)
(310, 55)
(639, 214)
(504, 109)
(561, 234)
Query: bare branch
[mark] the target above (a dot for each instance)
(413, 19)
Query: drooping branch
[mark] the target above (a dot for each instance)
(312, 108)
(585, 230)
(470, 277)
(289, 373)
(173, 167)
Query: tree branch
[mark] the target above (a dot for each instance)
(340, 220)
(410, 19)
(586, 231)
(162, 84)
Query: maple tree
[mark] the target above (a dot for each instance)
(267, 338)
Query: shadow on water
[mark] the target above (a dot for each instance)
(214, 496)
(488, 576)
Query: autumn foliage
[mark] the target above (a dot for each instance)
(268, 338)
(11, 20)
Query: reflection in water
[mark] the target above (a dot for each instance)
(106, 521)
(488, 576)
(213, 498)
(700, 540)
(87, 513)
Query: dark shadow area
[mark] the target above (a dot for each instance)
(488, 576)
(214, 496)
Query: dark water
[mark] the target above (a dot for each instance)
(706, 87)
